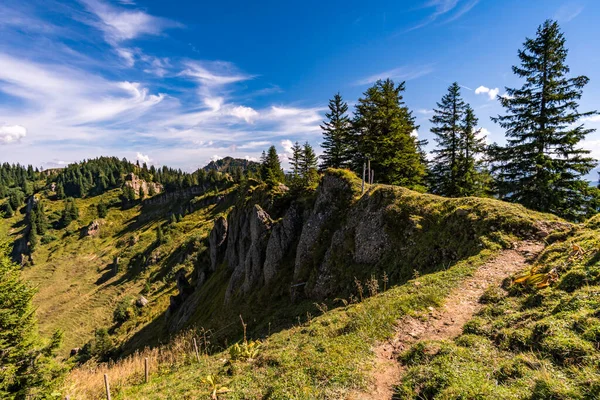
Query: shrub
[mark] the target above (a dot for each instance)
(124, 311)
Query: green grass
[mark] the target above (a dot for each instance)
(527, 344)
(324, 356)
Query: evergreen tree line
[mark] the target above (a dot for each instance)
(541, 166)
(17, 182)
(95, 176)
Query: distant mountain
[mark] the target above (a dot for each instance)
(227, 164)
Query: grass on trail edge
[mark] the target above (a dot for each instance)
(527, 344)
(323, 357)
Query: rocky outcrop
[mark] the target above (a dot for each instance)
(247, 235)
(136, 183)
(92, 229)
(333, 196)
(283, 236)
(218, 242)
(317, 251)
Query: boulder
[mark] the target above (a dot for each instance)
(141, 302)
(93, 229)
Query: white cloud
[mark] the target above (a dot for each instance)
(398, 74)
(261, 145)
(10, 134)
(119, 24)
(215, 158)
(492, 93)
(415, 133)
(248, 114)
(287, 145)
(484, 133)
(593, 118)
(143, 158)
(255, 159)
(424, 111)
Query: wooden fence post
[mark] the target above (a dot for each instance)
(107, 387)
(146, 369)
(196, 350)
(363, 181)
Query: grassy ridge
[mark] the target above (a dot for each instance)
(542, 344)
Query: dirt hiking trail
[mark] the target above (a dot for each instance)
(446, 322)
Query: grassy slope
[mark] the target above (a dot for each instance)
(78, 291)
(539, 344)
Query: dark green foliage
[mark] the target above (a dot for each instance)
(383, 126)
(456, 170)
(337, 131)
(70, 212)
(102, 209)
(124, 311)
(26, 370)
(160, 237)
(230, 165)
(151, 190)
(17, 177)
(448, 130)
(128, 195)
(542, 166)
(8, 210)
(308, 166)
(141, 193)
(271, 171)
(33, 237)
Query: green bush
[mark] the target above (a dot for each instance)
(124, 311)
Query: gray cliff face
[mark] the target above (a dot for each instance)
(283, 236)
(247, 238)
(217, 242)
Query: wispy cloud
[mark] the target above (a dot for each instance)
(449, 9)
(567, 12)
(119, 24)
(400, 74)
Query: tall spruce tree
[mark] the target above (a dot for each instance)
(542, 166)
(445, 168)
(336, 135)
(474, 178)
(308, 165)
(383, 126)
(271, 168)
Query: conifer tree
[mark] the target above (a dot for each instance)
(102, 209)
(151, 190)
(474, 179)
(8, 210)
(542, 164)
(271, 168)
(159, 235)
(383, 126)
(295, 161)
(447, 119)
(336, 135)
(141, 193)
(308, 165)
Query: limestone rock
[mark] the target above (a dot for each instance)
(217, 242)
(141, 302)
(283, 236)
(93, 229)
(247, 237)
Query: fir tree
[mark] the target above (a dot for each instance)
(445, 169)
(474, 179)
(60, 191)
(336, 135)
(102, 209)
(383, 126)
(141, 193)
(159, 235)
(295, 161)
(542, 165)
(33, 237)
(308, 166)
(151, 190)
(271, 168)
(8, 210)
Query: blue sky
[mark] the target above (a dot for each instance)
(181, 82)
